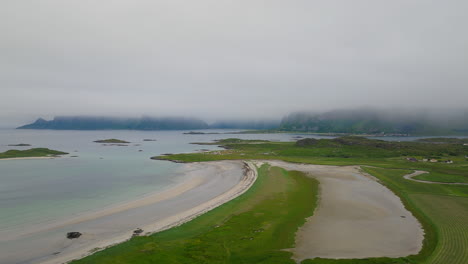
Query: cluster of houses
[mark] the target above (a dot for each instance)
(428, 160)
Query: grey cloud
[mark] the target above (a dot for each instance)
(233, 59)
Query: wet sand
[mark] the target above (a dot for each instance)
(357, 217)
(207, 186)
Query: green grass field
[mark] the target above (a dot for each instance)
(253, 228)
(450, 216)
(441, 177)
(348, 151)
(441, 209)
(34, 152)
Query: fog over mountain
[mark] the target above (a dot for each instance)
(379, 121)
(229, 60)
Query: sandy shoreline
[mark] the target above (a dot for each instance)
(242, 186)
(356, 217)
(140, 202)
(29, 158)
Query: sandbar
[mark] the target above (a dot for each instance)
(356, 217)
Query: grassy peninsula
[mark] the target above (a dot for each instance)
(255, 227)
(442, 209)
(31, 153)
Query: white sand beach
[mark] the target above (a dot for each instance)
(207, 186)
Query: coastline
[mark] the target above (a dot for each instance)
(148, 199)
(247, 180)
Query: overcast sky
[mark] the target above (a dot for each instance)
(216, 58)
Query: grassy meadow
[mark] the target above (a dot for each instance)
(442, 209)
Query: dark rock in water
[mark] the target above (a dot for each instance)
(140, 150)
(149, 139)
(72, 235)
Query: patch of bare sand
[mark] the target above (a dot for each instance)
(356, 218)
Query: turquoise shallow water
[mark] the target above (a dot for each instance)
(38, 191)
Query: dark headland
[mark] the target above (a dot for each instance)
(112, 123)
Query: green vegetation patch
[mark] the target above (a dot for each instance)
(441, 177)
(450, 216)
(253, 228)
(34, 152)
(350, 150)
(389, 164)
(111, 140)
(441, 209)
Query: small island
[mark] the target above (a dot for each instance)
(31, 153)
(112, 140)
(201, 133)
(19, 145)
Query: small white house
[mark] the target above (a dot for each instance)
(449, 161)
(433, 160)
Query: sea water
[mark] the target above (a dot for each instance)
(36, 192)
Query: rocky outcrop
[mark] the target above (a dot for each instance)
(73, 235)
